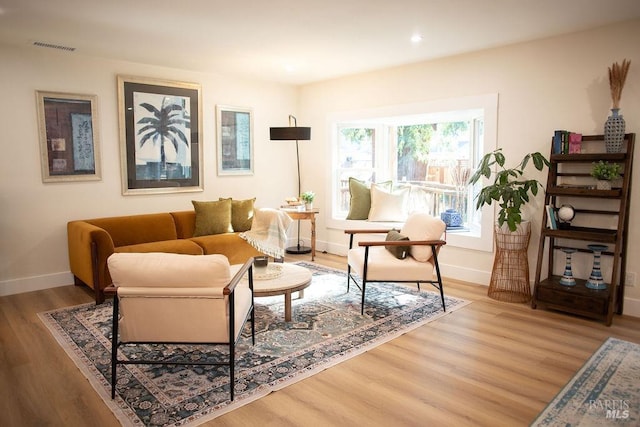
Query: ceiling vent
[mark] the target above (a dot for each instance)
(54, 46)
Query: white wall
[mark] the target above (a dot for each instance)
(33, 218)
(555, 83)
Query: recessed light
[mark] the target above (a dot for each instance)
(416, 38)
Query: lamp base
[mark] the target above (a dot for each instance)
(298, 250)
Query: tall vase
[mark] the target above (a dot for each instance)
(567, 278)
(614, 132)
(595, 279)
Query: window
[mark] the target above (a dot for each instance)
(432, 147)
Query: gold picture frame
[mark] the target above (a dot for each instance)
(69, 136)
(160, 123)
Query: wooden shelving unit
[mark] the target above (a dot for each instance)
(578, 299)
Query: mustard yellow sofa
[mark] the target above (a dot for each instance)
(92, 241)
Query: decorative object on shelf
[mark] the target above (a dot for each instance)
(595, 279)
(604, 173)
(451, 218)
(507, 189)
(567, 277)
(566, 213)
(307, 197)
(293, 133)
(614, 127)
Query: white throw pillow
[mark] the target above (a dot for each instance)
(389, 205)
(422, 226)
(166, 270)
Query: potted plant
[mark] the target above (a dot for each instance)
(510, 191)
(604, 173)
(307, 197)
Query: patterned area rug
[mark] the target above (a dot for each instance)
(326, 328)
(605, 392)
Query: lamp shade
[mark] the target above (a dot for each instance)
(291, 133)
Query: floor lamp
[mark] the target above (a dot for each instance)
(293, 133)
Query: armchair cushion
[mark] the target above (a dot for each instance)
(422, 226)
(399, 252)
(388, 205)
(383, 266)
(156, 269)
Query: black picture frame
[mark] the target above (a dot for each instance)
(160, 135)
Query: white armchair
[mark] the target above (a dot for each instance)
(163, 298)
(409, 255)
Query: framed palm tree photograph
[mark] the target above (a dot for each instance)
(69, 136)
(234, 129)
(160, 135)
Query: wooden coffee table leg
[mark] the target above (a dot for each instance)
(287, 306)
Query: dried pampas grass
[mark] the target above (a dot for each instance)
(617, 77)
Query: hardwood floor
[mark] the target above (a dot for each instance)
(487, 364)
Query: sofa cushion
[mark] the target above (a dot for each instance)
(185, 223)
(157, 269)
(388, 205)
(212, 217)
(178, 246)
(241, 214)
(236, 249)
(422, 226)
(399, 252)
(134, 229)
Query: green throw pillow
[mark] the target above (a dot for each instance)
(360, 198)
(241, 214)
(212, 217)
(399, 252)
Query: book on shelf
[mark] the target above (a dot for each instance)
(565, 142)
(552, 219)
(575, 143)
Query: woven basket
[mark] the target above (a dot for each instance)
(510, 275)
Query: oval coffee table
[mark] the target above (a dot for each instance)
(280, 279)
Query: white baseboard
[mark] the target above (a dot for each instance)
(631, 307)
(35, 283)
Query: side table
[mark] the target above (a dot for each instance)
(304, 215)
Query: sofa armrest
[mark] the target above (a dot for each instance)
(89, 247)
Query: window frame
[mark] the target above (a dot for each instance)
(478, 237)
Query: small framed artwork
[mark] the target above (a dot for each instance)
(69, 142)
(160, 135)
(235, 140)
